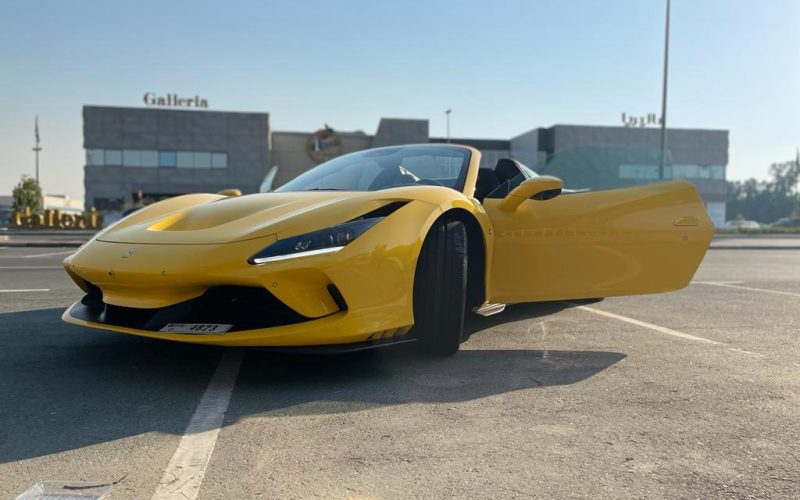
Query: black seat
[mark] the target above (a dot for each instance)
(506, 169)
(391, 177)
(485, 183)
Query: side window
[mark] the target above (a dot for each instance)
(506, 187)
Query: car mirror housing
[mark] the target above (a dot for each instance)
(543, 187)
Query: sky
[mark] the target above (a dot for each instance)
(504, 67)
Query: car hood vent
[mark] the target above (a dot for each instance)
(213, 220)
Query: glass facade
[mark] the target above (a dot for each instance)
(202, 160)
(136, 158)
(696, 172)
(167, 159)
(131, 158)
(95, 157)
(113, 157)
(650, 172)
(219, 160)
(638, 171)
(149, 158)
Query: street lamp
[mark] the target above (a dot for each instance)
(664, 97)
(37, 148)
(447, 114)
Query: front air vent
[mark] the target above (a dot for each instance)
(383, 211)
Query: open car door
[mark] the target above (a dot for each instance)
(551, 245)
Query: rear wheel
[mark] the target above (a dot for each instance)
(440, 286)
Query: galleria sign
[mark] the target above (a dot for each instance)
(55, 219)
(640, 121)
(174, 101)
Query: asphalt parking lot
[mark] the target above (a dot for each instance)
(692, 394)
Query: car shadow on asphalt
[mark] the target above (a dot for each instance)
(513, 313)
(64, 387)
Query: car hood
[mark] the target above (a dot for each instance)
(213, 219)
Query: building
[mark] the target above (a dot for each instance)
(6, 208)
(63, 203)
(611, 157)
(153, 153)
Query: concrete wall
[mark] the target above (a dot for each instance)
(525, 148)
(243, 136)
(395, 131)
(491, 149)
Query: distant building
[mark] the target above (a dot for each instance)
(598, 157)
(6, 208)
(63, 203)
(153, 153)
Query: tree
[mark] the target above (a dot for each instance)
(27, 194)
(767, 201)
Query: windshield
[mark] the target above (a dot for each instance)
(383, 168)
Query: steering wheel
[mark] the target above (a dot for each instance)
(428, 182)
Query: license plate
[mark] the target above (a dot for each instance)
(196, 328)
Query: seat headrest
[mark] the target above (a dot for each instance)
(506, 169)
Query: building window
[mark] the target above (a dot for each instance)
(698, 172)
(219, 160)
(131, 158)
(103, 204)
(150, 158)
(202, 160)
(638, 172)
(95, 157)
(113, 157)
(685, 172)
(153, 158)
(167, 159)
(185, 159)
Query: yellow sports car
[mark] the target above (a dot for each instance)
(381, 246)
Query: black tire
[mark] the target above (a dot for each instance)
(440, 286)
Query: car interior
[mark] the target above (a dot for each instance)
(490, 179)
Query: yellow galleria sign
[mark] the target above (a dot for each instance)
(56, 219)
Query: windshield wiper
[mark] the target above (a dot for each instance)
(325, 189)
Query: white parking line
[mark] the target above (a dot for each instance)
(663, 329)
(66, 252)
(25, 290)
(187, 468)
(29, 268)
(731, 284)
(651, 326)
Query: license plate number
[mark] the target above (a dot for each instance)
(196, 328)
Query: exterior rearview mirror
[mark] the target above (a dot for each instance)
(543, 187)
(230, 192)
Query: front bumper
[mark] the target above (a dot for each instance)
(143, 290)
(338, 328)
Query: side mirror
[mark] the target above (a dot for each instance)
(230, 192)
(543, 187)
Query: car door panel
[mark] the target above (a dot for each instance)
(628, 241)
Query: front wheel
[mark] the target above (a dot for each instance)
(440, 285)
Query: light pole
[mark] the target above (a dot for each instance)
(664, 97)
(37, 148)
(447, 115)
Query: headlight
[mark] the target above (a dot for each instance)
(328, 240)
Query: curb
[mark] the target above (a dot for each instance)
(762, 247)
(41, 244)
